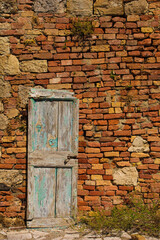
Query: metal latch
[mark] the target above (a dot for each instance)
(67, 160)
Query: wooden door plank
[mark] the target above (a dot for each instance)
(75, 136)
(30, 193)
(51, 94)
(63, 192)
(65, 127)
(50, 116)
(44, 192)
(74, 188)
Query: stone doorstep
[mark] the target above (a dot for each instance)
(19, 236)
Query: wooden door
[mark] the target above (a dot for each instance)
(52, 163)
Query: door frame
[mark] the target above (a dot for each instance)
(65, 159)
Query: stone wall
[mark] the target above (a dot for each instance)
(115, 73)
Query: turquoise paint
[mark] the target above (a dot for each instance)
(40, 190)
(68, 187)
(76, 139)
(39, 136)
(39, 127)
(53, 143)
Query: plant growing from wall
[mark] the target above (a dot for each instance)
(82, 30)
(29, 42)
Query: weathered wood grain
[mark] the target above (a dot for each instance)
(63, 192)
(30, 193)
(65, 128)
(75, 135)
(51, 94)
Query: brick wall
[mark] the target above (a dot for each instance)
(116, 76)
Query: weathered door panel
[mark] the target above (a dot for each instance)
(64, 192)
(52, 166)
(65, 127)
(44, 192)
(44, 125)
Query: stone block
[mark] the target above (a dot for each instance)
(1, 107)
(56, 6)
(10, 177)
(23, 95)
(108, 7)
(4, 46)
(9, 65)
(139, 145)
(137, 7)
(126, 176)
(80, 8)
(8, 6)
(12, 113)
(3, 122)
(5, 89)
(35, 66)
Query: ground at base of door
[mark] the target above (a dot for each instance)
(67, 234)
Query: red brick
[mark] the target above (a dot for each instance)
(126, 188)
(44, 55)
(97, 193)
(6, 166)
(107, 177)
(93, 144)
(95, 172)
(41, 38)
(121, 193)
(113, 116)
(122, 133)
(92, 150)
